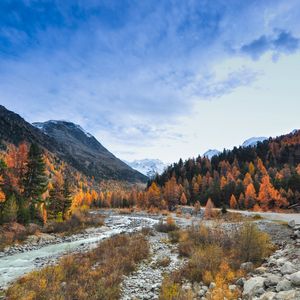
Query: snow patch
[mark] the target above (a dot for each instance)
(148, 167)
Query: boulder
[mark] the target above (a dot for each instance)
(267, 296)
(292, 224)
(287, 268)
(33, 228)
(247, 266)
(283, 285)
(240, 282)
(272, 280)
(253, 286)
(295, 278)
(288, 295)
(260, 270)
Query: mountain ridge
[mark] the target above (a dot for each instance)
(70, 143)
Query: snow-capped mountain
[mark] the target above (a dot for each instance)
(253, 141)
(148, 167)
(210, 153)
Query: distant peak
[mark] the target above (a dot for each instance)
(211, 153)
(252, 142)
(42, 125)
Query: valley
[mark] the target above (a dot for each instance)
(147, 280)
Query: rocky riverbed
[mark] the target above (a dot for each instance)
(46, 249)
(145, 283)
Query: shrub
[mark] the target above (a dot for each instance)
(206, 259)
(163, 261)
(251, 244)
(167, 226)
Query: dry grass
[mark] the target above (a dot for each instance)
(215, 256)
(93, 275)
(78, 221)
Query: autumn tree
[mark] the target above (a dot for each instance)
(208, 213)
(268, 196)
(154, 195)
(233, 202)
(250, 196)
(183, 199)
(171, 193)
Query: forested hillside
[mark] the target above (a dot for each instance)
(266, 176)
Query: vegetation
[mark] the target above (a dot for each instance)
(93, 275)
(265, 177)
(215, 256)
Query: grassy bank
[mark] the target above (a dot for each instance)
(93, 275)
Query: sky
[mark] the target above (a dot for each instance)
(154, 79)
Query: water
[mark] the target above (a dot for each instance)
(14, 266)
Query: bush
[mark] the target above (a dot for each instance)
(204, 260)
(78, 221)
(163, 261)
(251, 244)
(167, 226)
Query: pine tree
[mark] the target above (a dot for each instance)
(67, 198)
(35, 179)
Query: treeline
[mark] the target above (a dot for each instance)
(263, 177)
(30, 188)
(35, 186)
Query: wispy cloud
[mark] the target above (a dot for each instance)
(131, 69)
(282, 41)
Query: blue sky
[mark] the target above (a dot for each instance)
(156, 79)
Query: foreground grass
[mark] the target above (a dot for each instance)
(93, 275)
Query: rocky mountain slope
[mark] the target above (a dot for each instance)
(70, 143)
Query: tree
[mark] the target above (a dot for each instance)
(56, 197)
(183, 199)
(268, 196)
(171, 193)
(208, 213)
(250, 196)
(154, 195)
(35, 179)
(233, 202)
(197, 207)
(67, 198)
(10, 210)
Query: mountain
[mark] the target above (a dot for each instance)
(148, 167)
(253, 141)
(70, 143)
(210, 153)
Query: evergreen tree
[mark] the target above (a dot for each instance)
(35, 179)
(67, 198)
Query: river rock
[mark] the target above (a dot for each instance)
(247, 266)
(288, 295)
(272, 280)
(287, 268)
(252, 287)
(295, 278)
(267, 296)
(283, 285)
(292, 223)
